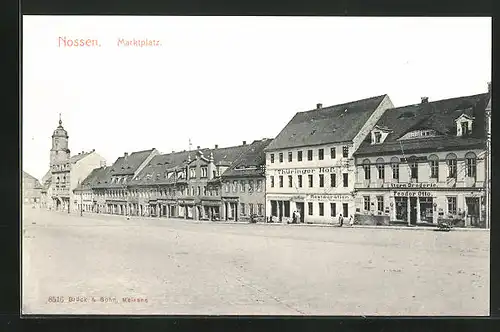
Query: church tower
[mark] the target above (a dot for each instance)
(59, 152)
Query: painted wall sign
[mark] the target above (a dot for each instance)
(329, 197)
(421, 158)
(412, 185)
(412, 194)
(290, 171)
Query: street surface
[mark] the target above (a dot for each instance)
(99, 264)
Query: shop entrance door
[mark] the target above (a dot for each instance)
(300, 208)
(473, 210)
(426, 209)
(413, 210)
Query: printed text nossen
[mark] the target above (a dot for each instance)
(78, 42)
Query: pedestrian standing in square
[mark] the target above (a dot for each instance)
(351, 221)
(341, 220)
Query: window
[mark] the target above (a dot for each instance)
(333, 180)
(321, 180)
(380, 203)
(310, 178)
(299, 155)
(345, 179)
(321, 209)
(333, 209)
(242, 208)
(366, 168)
(290, 181)
(205, 191)
(412, 163)
(290, 156)
(434, 164)
(259, 186)
(310, 208)
(395, 168)
(470, 163)
(204, 172)
(272, 181)
(465, 128)
(451, 160)
(452, 205)
(250, 186)
(321, 154)
(281, 181)
(345, 151)
(272, 158)
(366, 203)
(260, 209)
(299, 178)
(214, 173)
(242, 186)
(235, 186)
(250, 207)
(281, 157)
(381, 168)
(192, 191)
(378, 136)
(199, 191)
(192, 172)
(309, 155)
(332, 153)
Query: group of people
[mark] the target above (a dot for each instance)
(296, 217)
(341, 220)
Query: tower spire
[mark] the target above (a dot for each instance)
(60, 121)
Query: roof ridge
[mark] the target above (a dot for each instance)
(344, 104)
(432, 103)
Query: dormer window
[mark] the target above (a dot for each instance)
(465, 128)
(464, 125)
(377, 136)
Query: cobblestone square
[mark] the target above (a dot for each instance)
(100, 264)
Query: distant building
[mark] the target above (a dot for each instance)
(243, 184)
(67, 171)
(32, 190)
(425, 162)
(309, 165)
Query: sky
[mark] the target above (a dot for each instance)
(224, 80)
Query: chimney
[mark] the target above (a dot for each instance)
(83, 152)
(424, 100)
(244, 142)
(93, 150)
(319, 106)
(489, 87)
(103, 163)
(125, 154)
(216, 146)
(198, 147)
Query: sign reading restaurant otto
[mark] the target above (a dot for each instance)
(412, 194)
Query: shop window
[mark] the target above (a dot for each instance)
(381, 168)
(250, 206)
(290, 181)
(242, 208)
(260, 209)
(380, 203)
(310, 178)
(345, 151)
(434, 164)
(366, 168)
(321, 154)
(272, 181)
(299, 178)
(299, 155)
(333, 180)
(366, 203)
(290, 157)
(321, 180)
(309, 155)
(333, 209)
(272, 158)
(321, 209)
(281, 181)
(281, 157)
(333, 153)
(345, 179)
(452, 205)
(310, 208)
(470, 163)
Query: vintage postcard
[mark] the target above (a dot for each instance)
(256, 165)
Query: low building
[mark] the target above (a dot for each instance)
(309, 165)
(243, 184)
(87, 199)
(423, 163)
(32, 190)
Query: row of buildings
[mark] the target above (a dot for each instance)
(367, 159)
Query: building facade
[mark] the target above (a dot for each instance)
(32, 190)
(243, 185)
(67, 171)
(423, 163)
(310, 166)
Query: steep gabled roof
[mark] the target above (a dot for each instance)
(27, 176)
(128, 165)
(439, 116)
(333, 124)
(92, 179)
(251, 162)
(74, 159)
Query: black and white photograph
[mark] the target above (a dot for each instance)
(256, 165)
